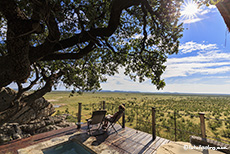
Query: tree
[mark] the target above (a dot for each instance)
(78, 42)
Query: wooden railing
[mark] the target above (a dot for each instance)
(154, 126)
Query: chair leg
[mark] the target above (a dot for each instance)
(111, 125)
(88, 130)
(114, 128)
(88, 125)
(99, 126)
(119, 123)
(108, 126)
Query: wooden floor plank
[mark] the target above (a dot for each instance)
(144, 142)
(147, 140)
(155, 145)
(164, 142)
(148, 146)
(123, 139)
(136, 144)
(127, 141)
(132, 139)
(137, 141)
(154, 152)
(121, 134)
(130, 145)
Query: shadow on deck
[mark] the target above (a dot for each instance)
(128, 141)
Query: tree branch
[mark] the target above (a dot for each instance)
(63, 56)
(21, 90)
(3, 54)
(110, 47)
(47, 88)
(144, 28)
(37, 53)
(54, 34)
(8, 9)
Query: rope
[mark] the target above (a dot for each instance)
(144, 121)
(164, 126)
(217, 119)
(178, 129)
(188, 115)
(188, 132)
(139, 107)
(137, 118)
(219, 139)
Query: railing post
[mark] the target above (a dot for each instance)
(202, 125)
(175, 124)
(153, 123)
(103, 105)
(79, 115)
(123, 118)
(136, 119)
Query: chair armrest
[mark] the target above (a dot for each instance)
(88, 120)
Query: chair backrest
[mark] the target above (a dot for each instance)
(98, 116)
(118, 116)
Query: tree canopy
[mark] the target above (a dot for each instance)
(79, 42)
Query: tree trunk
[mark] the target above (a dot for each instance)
(24, 113)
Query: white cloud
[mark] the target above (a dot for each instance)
(209, 60)
(123, 83)
(203, 12)
(212, 7)
(190, 87)
(188, 21)
(198, 88)
(187, 69)
(193, 46)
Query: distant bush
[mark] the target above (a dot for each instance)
(214, 124)
(226, 133)
(58, 112)
(70, 118)
(67, 110)
(86, 108)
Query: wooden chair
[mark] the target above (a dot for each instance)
(97, 118)
(114, 120)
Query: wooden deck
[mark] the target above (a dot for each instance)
(127, 141)
(131, 141)
(13, 146)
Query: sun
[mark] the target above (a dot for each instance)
(189, 10)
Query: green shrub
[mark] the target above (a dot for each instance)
(226, 133)
(58, 112)
(67, 110)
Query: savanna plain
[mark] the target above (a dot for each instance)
(180, 111)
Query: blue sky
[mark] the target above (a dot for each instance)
(202, 64)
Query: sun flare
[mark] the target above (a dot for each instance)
(189, 10)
